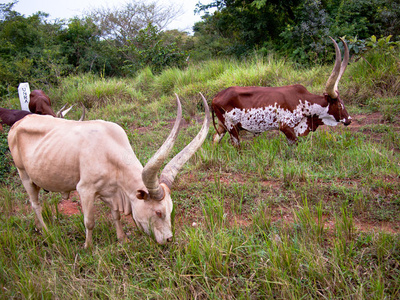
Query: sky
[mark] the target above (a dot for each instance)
(71, 8)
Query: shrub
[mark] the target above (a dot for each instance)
(5, 158)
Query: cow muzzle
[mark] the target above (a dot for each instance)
(346, 121)
(163, 241)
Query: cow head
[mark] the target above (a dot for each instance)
(337, 110)
(153, 206)
(40, 104)
(153, 215)
(336, 106)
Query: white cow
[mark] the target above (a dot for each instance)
(96, 159)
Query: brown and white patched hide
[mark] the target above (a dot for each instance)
(291, 109)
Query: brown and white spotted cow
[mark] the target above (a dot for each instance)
(291, 109)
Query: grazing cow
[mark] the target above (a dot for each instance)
(290, 109)
(10, 116)
(96, 159)
(40, 103)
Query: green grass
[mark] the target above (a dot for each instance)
(319, 220)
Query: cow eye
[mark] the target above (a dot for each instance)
(159, 214)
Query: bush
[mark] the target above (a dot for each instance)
(376, 72)
(5, 158)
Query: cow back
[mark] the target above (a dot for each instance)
(58, 154)
(248, 97)
(10, 116)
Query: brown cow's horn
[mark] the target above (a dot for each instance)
(59, 113)
(63, 111)
(343, 66)
(173, 167)
(330, 84)
(149, 174)
(83, 112)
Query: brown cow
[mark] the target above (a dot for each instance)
(40, 103)
(10, 116)
(291, 109)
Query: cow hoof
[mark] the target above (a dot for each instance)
(87, 246)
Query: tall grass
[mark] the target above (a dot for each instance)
(319, 220)
(377, 74)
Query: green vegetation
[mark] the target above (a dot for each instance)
(122, 41)
(319, 220)
(297, 29)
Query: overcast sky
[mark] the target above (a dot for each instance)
(66, 9)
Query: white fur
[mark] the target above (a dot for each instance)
(262, 119)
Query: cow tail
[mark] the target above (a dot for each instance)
(213, 118)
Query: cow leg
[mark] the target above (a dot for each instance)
(117, 221)
(289, 133)
(87, 202)
(65, 196)
(234, 133)
(33, 192)
(219, 134)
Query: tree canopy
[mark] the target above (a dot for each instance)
(123, 40)
(296, 28)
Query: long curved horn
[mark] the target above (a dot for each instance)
(343, 66)
(59, 113)
(83, 112)
(173, 167)
(331, 83)
(149, 173)
(63, 111)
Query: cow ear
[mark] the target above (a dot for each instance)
(142, 195)
(329, 99)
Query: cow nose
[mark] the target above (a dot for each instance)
(347, 122)
(169, 240)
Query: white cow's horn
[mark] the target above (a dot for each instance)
(332, 80)
(149, 174)
(173, 167)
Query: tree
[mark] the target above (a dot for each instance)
(306, 39)
(148, 48)
(296, 28)
(82, 46)
(134, 34)
(123, 24)
(28, 51)
(247, 24)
